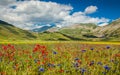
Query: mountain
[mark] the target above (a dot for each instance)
(53, 29)
(111, 31)
(78, 32)
(92, 32)
(43, 28)
(10, 32)
(5, 23)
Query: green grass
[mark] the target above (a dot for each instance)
(52, 37)
(26, 58)
(40, 41)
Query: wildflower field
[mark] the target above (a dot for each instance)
(59, 59)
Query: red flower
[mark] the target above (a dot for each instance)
(4, 47)
(37, 45)
(30, 56)
(35, 49)
(12, 47)
(43, 47)
(79, 61)
(43, 63)
(1, 54)
(9, 45)
(61, 71)
(43, 51)
(38, 62)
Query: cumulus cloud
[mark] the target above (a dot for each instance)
(6, 2)
(30, 14)
(90, 9)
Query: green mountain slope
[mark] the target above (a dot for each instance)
(52, 36)
(111, 31)
(10, 32)
(79, 32)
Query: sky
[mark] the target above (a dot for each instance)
(32, 14)
(106, 8)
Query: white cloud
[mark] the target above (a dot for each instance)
(6, 2)
(27, 14)
(103, 24)
(90, 9)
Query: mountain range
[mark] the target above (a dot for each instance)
(78, 32)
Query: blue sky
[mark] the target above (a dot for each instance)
(32, 14)
(106, 8)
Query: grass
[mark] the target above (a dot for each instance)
(59, 58)
(40, 41)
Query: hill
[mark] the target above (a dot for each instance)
(10, 32)
(82, 32)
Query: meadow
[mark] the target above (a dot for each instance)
(59, 58)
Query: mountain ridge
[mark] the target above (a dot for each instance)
(80, 32)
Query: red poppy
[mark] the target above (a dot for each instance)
(30, 56)
(1, 54)
(35, 49)
(61, 71)
(9, 45)
(79, 61)
(4, 47)
(38, 62)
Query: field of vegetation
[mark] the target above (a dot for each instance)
(57, 58)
